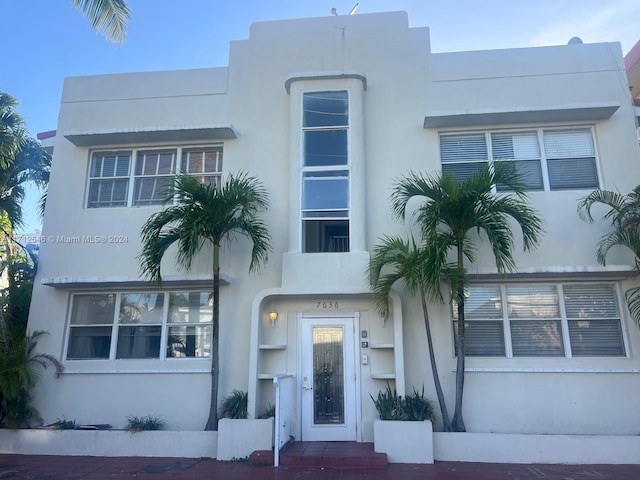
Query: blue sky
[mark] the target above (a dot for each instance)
(47, 40)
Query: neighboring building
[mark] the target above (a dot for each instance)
(632, 64)
(327, 112)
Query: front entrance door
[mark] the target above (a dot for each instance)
(328, 379)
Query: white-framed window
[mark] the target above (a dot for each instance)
(132, 325)
(547, 159)
(111, 173)
(109, 179)
(542, 320)
(325, 182)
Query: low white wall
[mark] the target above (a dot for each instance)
(238, 438)
(109, 443)
(523, 448)
(404, 442)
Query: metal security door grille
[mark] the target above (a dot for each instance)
(328, 376)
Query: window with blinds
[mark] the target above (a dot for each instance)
(152, 175)
(542, 320)
(546, 159)
(109, 180)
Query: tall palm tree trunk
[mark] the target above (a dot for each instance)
(212, 422)
(446, 423)
(457, 423)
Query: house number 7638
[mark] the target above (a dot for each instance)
(326, 305)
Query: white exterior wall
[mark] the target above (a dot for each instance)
(404, 81)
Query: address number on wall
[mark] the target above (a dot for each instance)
(326, 305)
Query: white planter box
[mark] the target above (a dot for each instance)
(404, 442)
(239, 438)
(109, 443)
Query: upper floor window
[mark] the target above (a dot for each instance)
(547, 159)
(138, 324)
(111, 174)
(542, 320)
(325, 172)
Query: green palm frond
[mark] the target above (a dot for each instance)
(108, 17)
(632, 296)
(624, 238)
(206, 214)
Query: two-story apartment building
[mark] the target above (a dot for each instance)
(327, 112)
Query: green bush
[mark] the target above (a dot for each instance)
(235, 405)
(142, 424)
(414, 407)
(269, 412)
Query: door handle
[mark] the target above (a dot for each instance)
(306, 388)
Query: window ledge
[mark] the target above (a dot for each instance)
(136, 371)
(547, 370)
(180, 133)
(497, 116)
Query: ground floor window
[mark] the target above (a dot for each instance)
(127, 325)
(542, 320)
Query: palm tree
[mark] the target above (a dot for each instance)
(204, 215)
(22, 160)
(396, 260)
(108, 17)
(624, 215)
(450, 211)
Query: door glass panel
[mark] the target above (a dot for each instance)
(328, 376)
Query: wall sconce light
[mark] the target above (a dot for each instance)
(273, 316)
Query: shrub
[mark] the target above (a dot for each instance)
(235, 405)
(64, 424)
(269, 412)
(141, 424)
(414, 407)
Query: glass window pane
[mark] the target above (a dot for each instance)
(140, 308)
(190, 307)
(530, 173)
(481, 302)
(536, 338)
(462, 170)
(483, 338)
(515, 146)
(138, 342)
(108, 166)
(568, 143)
(533, 301)
(122, 165)
(591, 301)
(463, 148)
(89, 343)
(328, 376)
(325, 148)
(189, 341)
(325, 109)
(572, 173)
(595, 338)
(325, 193)
(325, 236)
(95, 309)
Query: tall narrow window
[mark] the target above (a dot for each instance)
(325, 172)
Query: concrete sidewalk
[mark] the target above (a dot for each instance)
(42, 467)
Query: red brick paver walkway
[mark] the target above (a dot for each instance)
(42, 467)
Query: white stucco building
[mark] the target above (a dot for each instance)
(327, 112)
